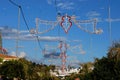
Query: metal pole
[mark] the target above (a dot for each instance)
(37, 24)
(109, 20)
(17, 37)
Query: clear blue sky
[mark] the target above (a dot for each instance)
(90, 44)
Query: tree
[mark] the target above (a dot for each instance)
(12, 69)
(1, 60)
(104, 69)
(86, 67)
(30, 69)
(114, 51)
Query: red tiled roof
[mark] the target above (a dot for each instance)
(7, 56)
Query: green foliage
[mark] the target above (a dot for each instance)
(104, 69)
(37, 71)
(86, 67)
(1, 60)
(114, 51)
(73, 76)
(24, 69)
(107, 68)
(12, 69)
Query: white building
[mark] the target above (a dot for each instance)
(58, 72)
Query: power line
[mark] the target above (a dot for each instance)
(24, 18)
(56, 7)
(39, 43)
(18, 25)
(22, 13)
(29, 29)
(14, 3)
(58, 14)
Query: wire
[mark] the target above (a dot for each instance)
(56, 7)
(22, 13)
(29, 28)
(24, 19)
(58, 14)
(14, 3)
(39, 43)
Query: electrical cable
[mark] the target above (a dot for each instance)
(24, 19)
(58, 14)
(14, 3)
(39, 43)
(22, 13)
(56, 5)
(29, 28)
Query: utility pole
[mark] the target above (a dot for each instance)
(109, 20)
(17, 36)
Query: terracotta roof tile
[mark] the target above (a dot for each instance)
(7, 56)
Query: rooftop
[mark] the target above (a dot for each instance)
(7, 56)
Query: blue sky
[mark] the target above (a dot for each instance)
(83, 47)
